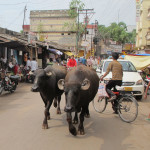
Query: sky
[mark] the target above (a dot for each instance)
(106, 11)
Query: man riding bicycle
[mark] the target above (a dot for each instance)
(117, 73)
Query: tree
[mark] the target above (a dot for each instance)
(74, 6)
(40, 29)
(117, 32)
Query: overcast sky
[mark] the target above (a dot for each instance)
(106, 11)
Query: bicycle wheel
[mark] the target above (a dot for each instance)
(100, 104)
(128, 109)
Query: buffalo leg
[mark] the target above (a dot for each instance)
(46, 113)
(58, 106)
(45, 102)
(72, 129)
(75, 120)
(81, 127)
(87, 114)
(55, 102)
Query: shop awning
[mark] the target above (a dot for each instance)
(54, 51)
(140, 62)
(69, 53)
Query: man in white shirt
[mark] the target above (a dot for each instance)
(28, 65)
(34, 65)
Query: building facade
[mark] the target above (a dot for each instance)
(49, 25)
(143, 27)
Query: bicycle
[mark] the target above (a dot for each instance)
(123, 105)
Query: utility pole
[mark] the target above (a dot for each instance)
(77, 36)
(118, 15)
(86, 12)
(25, 9)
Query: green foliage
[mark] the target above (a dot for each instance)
(74, 6)
(73, 27)
(117, 32)
(39, 30)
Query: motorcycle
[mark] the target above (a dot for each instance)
(8, 83)
(30, 76)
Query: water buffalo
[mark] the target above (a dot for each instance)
(46, 83)
(80, 86)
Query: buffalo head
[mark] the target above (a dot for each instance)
(40, 76)
(72, 92)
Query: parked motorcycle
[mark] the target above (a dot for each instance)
(8, 83)
(30, 76)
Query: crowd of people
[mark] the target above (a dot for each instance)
(12, 65)
(92, 61)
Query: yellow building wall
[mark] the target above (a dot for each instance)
(144, 25)
(50, 26)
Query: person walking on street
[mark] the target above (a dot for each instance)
(83, 61)
(28, 65)
(147, 88)
(34, 65)
(13, 60)
(89, 62)
(117, 73)
(72, 62)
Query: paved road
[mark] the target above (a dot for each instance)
(21, 116)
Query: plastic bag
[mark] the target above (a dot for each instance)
(102, 90)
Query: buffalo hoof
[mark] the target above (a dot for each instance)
(73, 131)
(87, 115)
(45, 126)
(75, 121)
(48, 118)
(81, 132)
(58, 111)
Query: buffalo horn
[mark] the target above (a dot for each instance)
(48, 74)
(61, 83)
(85, 85)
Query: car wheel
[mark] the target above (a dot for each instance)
(139, 97)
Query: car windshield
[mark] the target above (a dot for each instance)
(126, 65)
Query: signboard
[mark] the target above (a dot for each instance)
(92, 52)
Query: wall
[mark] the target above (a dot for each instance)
(50, 25)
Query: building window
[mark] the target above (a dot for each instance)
(62, 33)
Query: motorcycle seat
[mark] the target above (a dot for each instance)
(14, 77)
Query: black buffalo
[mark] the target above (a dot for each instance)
(80, 87)
(46, 83)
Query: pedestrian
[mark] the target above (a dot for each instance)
(83, 61)
(68, 59)
(94, 62)
(89, 62)
(28, 65)
(76, 58)
(147, 88)
(13, 60)
(72, 62)
(34, 65)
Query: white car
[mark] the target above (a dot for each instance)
(132, 81)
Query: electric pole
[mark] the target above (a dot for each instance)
(86, 12)
(25, 9)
